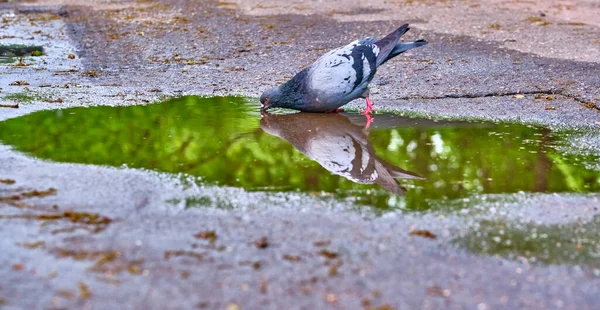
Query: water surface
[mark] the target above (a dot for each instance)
(225, 141)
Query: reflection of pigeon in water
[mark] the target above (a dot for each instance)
(338, 145)
(339, 76)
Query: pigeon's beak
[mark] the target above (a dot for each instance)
(264, 116)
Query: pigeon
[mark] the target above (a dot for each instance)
(339, 76)
(337, 145)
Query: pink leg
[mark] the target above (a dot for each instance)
(369, 107)
(367, 112)
(369, 120)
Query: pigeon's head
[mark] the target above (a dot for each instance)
(271, 98)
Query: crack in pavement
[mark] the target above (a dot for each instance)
(585, 103)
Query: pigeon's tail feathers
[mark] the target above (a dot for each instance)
(387, 181)
(399, 173)
(403, 47)
(387, 44)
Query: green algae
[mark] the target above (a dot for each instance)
(557, 244)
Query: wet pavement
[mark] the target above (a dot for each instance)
(203, 203)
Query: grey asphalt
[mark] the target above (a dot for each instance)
(319, 253)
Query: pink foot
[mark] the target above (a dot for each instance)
(369, 107)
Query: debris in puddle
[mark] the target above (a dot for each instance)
(255, 265)
(57, 100)
(18, 267)
(589, 105)
(84, 291)
(185, 274)
(180, 253)
(19, 83)
(545, 97)
(262, 243)
(331, 298)
(7, 181)
(437, 291)
(233, 307)
(382, 307)
(322, 243)
(422, 233)
(328, 254)
(25, 195)
(292, 258)
(59, 72)
(20, 63)
(66, 294)
(134, 269)
(32, 245)
(98, 222)
(52, 275)
(334, 270)
(92, 73)
(209, 235)
(366, 303)
(68, 230)
(36, 193)
(14, 106)
(109, 262)
(236, 68)
(264, 287)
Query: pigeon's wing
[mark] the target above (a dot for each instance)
(366, 41)
(335, 152)
(344, 70)
(341, 154)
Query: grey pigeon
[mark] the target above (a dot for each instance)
(337, 145)
(339, 76)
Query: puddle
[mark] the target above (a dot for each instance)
(224, 141)
(9, 53)
(573, 243)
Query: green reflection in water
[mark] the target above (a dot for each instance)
(221, 141)
(572, 243)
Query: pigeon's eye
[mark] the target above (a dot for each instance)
(266, 99)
